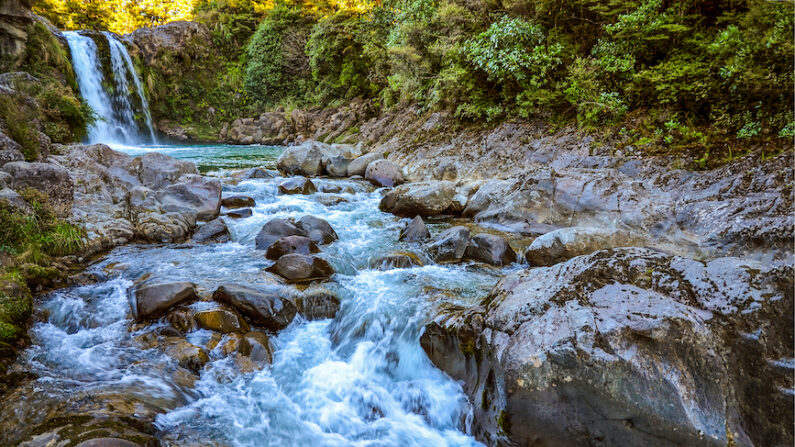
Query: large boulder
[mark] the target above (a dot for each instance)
(291, 244)
(154, 300)
(156, 170)
(306, 159)
(449, 245)
(297, 185)
(171, 38)
(317, 229)
(566, 243)
(297, 267)
(491, 249)
(415, 231)
(383, 173)
(627, 346)
(48, 178)
(337, 166)
(419, 199)
(359, 165)
(275, 229)
(193, 193)
(267, 308)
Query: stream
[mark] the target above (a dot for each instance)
(360, 379)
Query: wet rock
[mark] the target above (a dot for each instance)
(330, 188)
(15, 201)
(419, 199)
(359, 165)
(261, 173)
(305, 159)
(154, 300)
(399, 260)
(214, 230)
(190, 357)
(221, 320)
(107, 442)
(291, 244)
(193, 193)
(182, 319)
(274, 230)
(317, 303)
(260, 349)
(337, 166)
(383, 173)
(239, 201)
(240, 214)
(449, 245)
(415, 231)
(48, 178)
(566, 243)
(317, 229)
(297, 185)
(268, 309)
(298, 267)
(490, 249)
(676, 351)
(157, 171)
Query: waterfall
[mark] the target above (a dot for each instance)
(112, 99)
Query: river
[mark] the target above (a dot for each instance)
(360, 379)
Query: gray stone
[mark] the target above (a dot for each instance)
(449, 245)
(359, 165)
(154, 300)
(490, 249)
(415, 231)
(383, 173)
(297, 185)
(419, 199)
(268, 309)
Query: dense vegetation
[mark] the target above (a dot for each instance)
(707, 78)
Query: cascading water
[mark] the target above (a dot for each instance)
(111, 99)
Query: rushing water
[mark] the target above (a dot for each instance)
(111, 99)
(359, 379)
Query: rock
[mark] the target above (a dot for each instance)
(566, 243)
(297, 267)
(331, 189)
(297, 185)
(15, 201)
(237, 202)
(291, 244)
(259, 347)
(107, 442)
(305, 159)
(15, 19)
(399, 260)
(240, 214)
(188, 356)
(261, 173)
(449, 245)
(193, 193)
(415, 231)
(317, 229)
(181, 319)
(337, 166)
(419, 199)
(490, 249)
(445, 171)
(264, 308)
(383, 173)
(48, 178)
(359, 165)
(10, 155)
(5, 179)
(221, 320)
(157, 171)
(164, 227)
(274, 230)
(317, 303)
(675, 351)
(172, 38)
(214, 230)
(154, 300)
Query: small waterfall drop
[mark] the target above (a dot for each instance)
(111, 99)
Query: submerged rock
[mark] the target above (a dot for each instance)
(662, 344)
(490, 249)
(297, 185)
(399, 260)
(153, 300)
(240, 213)
(291, 244)
(188, 356)
(566, 243)
(299, 267)
(317, 303)
(259, 347)
(415, 231)
(449, 245)
(268, 309)
(419, 199)
(261, 173)
(383, 173)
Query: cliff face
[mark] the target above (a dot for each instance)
(15, 16)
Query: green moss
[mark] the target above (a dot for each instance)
(504, 423)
